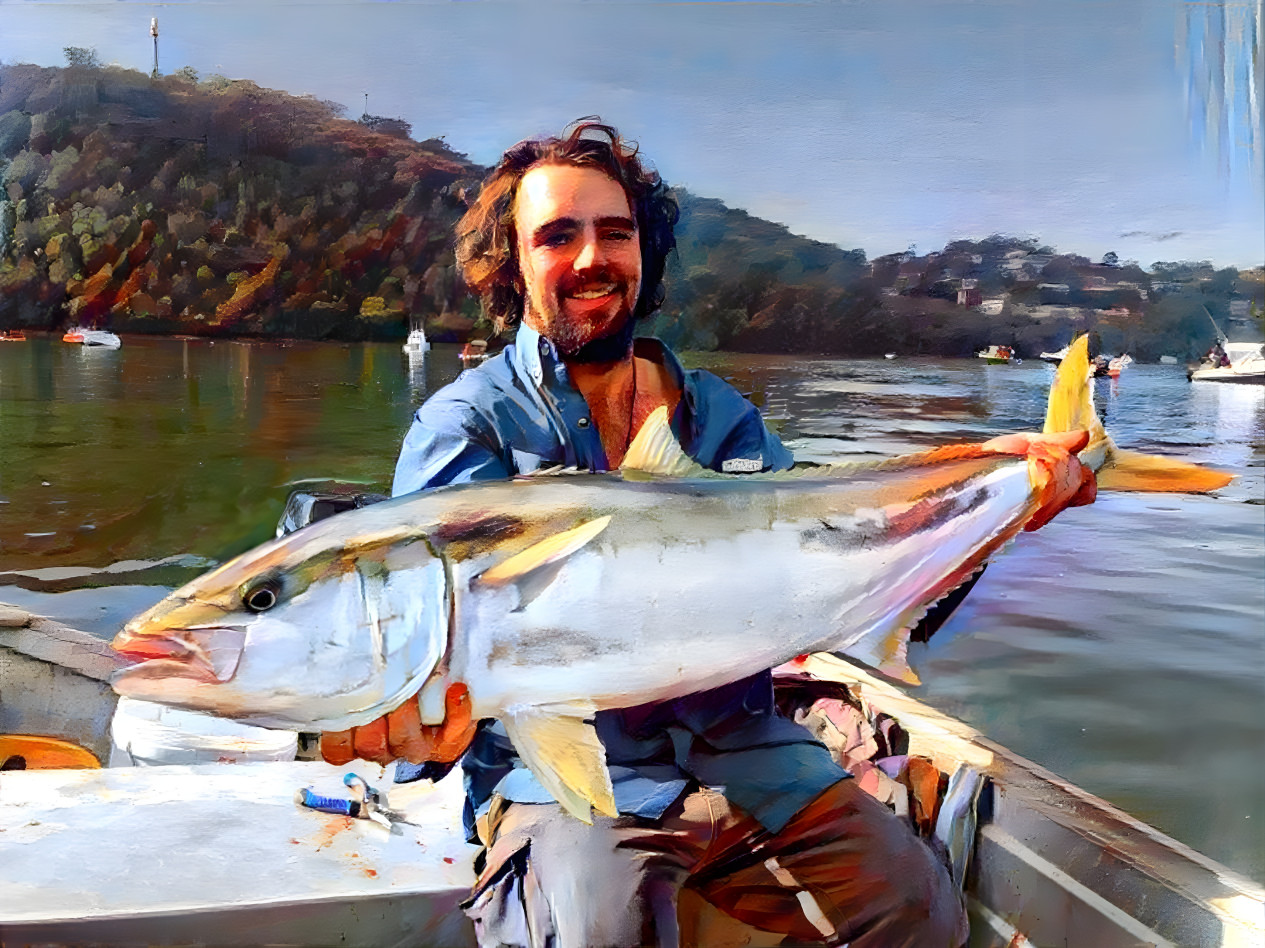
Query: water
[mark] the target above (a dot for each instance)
(1122, 646)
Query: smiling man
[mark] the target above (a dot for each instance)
(716, 791)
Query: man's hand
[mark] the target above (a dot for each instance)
(1061, 479)
(401, 734)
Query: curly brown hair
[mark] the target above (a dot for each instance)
(487, 245)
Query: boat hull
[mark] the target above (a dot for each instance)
(1051, 862)
(1251, 377)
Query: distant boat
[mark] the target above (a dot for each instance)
(12, 335)
(100, 338)
(1055, 357)
(1168, 360)
(474, 352)
(74, 335)
(997, 355)
(889, 355)
(1242, 362)
(1247, 365)
(416, 341)
(1117, 365)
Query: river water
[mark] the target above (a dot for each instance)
(1122, 646)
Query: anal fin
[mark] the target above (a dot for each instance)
(560, 746)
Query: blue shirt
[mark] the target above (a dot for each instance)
(518, 412)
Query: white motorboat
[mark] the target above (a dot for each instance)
(101, 338)
(1055, 357)
(416, 341)
(1246, 364)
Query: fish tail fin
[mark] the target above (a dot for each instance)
(1071, 404)
(1071, 408)
(1132, 470)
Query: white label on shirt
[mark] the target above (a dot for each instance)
(742, 465)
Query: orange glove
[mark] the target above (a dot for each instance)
(401, 734)
(1061, 480)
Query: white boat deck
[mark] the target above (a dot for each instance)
(221, 854)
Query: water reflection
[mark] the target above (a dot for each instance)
(416, 367)
(1122, 635)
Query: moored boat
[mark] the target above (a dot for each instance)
(416, 341)
(1243, 362)
(12, 335)
(474, 352)
(100, 338)
(1117, 365)
(997, 355)
(1055, 357)
(1043, 861)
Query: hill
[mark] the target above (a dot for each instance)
(218, 207)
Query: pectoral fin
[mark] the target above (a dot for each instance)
(542, 555)
(559, 745)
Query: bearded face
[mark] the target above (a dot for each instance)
(579, 255)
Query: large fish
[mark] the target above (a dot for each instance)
(554, 597)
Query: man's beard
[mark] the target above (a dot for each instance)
(609, 348)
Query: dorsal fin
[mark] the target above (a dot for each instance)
(655, 450)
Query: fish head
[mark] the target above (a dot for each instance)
(323, 629)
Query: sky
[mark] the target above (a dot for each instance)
(1130, 126)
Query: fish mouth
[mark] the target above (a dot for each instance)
(209, 654)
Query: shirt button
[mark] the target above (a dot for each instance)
(582, 423)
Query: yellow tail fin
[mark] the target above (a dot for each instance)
(1071, 408)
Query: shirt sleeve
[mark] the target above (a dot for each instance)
(448, 443)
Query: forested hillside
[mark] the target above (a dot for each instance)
(216, 207)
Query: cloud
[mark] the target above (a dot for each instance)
(1152, 235)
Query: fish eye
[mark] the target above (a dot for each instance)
(262, 596)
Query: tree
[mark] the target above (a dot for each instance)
(1110, 259)
(82, 57)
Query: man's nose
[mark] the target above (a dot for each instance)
(590, 253)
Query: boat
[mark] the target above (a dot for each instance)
(1055, 357)
(474, 352)
(1244, 363)
(101, 338)
(997, 355)
(12, 335)
(1117, 365)
(416, 341)
(75, 334)
(1240, 362)
(889, 355)
(1168, 360)
(1042, 861)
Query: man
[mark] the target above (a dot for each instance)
(715, 791)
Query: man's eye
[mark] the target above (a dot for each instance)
(556, 240)
(620, 235)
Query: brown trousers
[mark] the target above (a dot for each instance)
(844, 871)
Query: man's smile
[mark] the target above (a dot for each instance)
(594, 293)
